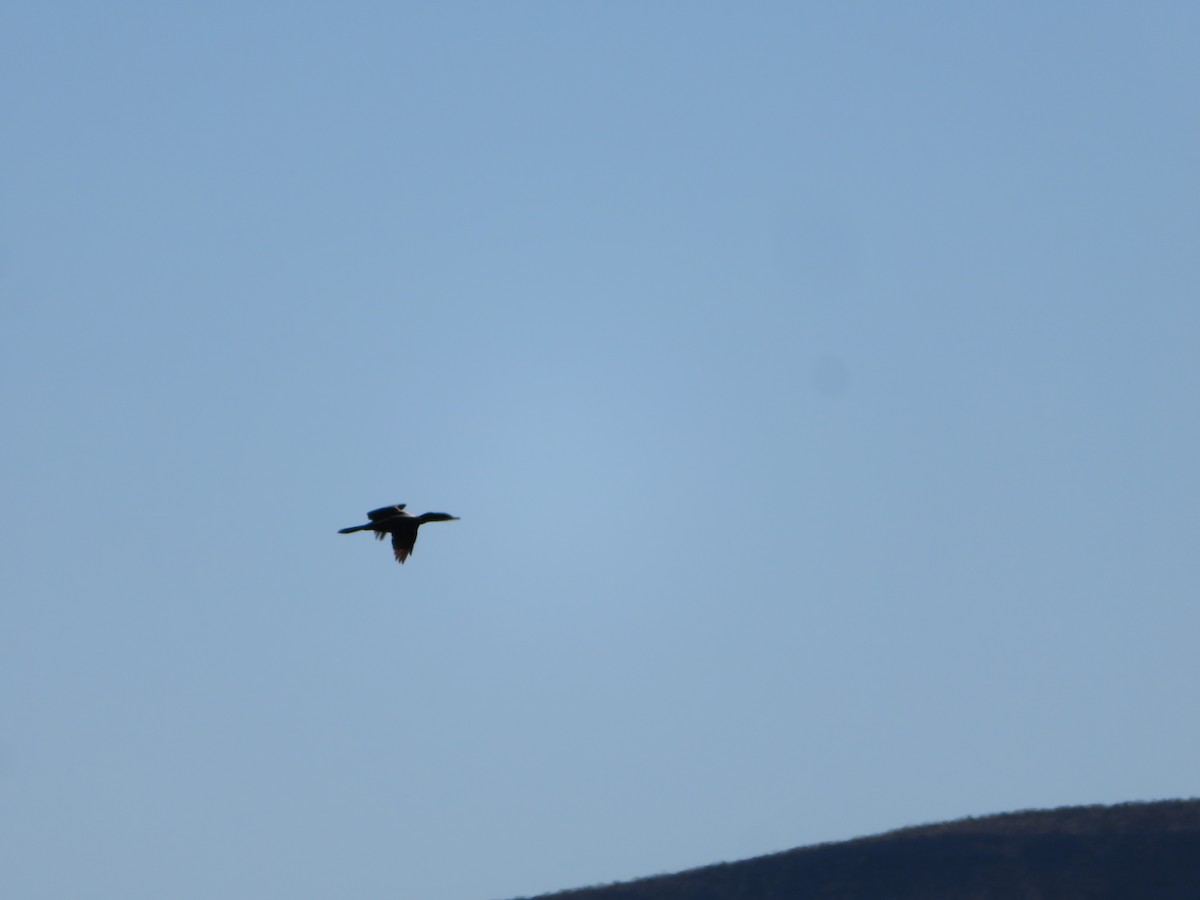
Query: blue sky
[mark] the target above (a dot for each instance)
(817, 385)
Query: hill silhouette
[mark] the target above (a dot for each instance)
(1126, 852)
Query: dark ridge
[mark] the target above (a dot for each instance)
(1124, 852)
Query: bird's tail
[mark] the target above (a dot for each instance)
(355, 528)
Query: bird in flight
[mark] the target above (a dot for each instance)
(400, 525)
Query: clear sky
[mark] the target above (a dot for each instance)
(818, 385)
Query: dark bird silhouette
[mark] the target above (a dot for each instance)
(400, 525)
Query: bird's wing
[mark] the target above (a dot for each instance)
(386, 512)
(402, 541)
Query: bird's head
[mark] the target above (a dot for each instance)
(438, 517)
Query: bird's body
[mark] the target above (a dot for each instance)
(400, 525)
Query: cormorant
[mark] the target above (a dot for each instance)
(400, 525)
